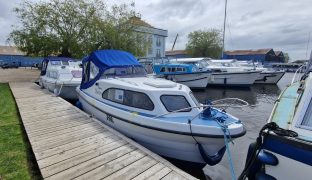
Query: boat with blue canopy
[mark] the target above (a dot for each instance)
(162, 115)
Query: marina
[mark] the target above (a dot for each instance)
(68, 143)
(260, 98)
(210, 90)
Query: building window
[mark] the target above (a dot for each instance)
(129, 98)
(175, 102)
(150, 50)
(158, 42)
(158, 53)
(150, 39)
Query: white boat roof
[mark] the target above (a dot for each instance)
(189, 59)
(223, 60)
(145, 83)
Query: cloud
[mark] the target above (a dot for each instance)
(280, 24)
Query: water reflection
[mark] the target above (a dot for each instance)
(251, 95)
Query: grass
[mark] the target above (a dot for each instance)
(16, 158)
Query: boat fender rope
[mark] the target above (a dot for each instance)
(211, 160)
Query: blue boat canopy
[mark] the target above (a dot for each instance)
(105, 60)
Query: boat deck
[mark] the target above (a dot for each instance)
(69, 144)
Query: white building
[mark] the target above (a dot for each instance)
(156, 36)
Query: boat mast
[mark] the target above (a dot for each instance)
(224, 29)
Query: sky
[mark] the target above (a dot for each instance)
(279, 24)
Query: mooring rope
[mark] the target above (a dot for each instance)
(225, 130)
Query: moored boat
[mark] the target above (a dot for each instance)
(186, 74)
(223, 75)
(283, 149)
(61, 76)
(162, 115)
(267, 75)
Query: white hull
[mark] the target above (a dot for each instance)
(234, 78)
(289, 169)
(169, 144)
(194, 80)
(66, 90)
(269, 77)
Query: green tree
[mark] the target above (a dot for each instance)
(204, 43)
(286, 56)
(74, 28)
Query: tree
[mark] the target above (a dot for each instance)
(204, 43)
(286, 56)
(74, 28)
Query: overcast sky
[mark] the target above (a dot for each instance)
(280, 24)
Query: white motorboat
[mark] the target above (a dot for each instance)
(222, 75)
(283, 149)
(266, 76)
(186, 74)
(61, 76)
(162, 115)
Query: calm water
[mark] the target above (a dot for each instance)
(261, 99)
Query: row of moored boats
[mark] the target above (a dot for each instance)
(202, 72)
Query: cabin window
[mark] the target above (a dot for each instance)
(194, 99)
(56, 63)
(125, 72)
(65, 63)
(179, 69)
(175, 102)
(129, 98)
(86, 71)
(162, 69)
(307, 119)
(94, 70)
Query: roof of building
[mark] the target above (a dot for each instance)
(277, 53)
(10, 50)
(139, 22)
(175, 52)
(248, 52)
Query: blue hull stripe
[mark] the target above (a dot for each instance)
(293, 149)
(164, 130)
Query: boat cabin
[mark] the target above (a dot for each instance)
(52, 67)
(174, 68)
(120, 80)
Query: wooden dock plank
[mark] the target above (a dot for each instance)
(75, 144)
(172, 176)
(135, 169)
(83, 167)
(69, 143)
(160, 174)
(151, 171)
(113, 166)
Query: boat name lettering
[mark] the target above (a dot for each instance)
(109, 118)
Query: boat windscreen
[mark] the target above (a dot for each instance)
(56, 63)
(307, 119)
(194, 99)
(125, 72)
(64, 63)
